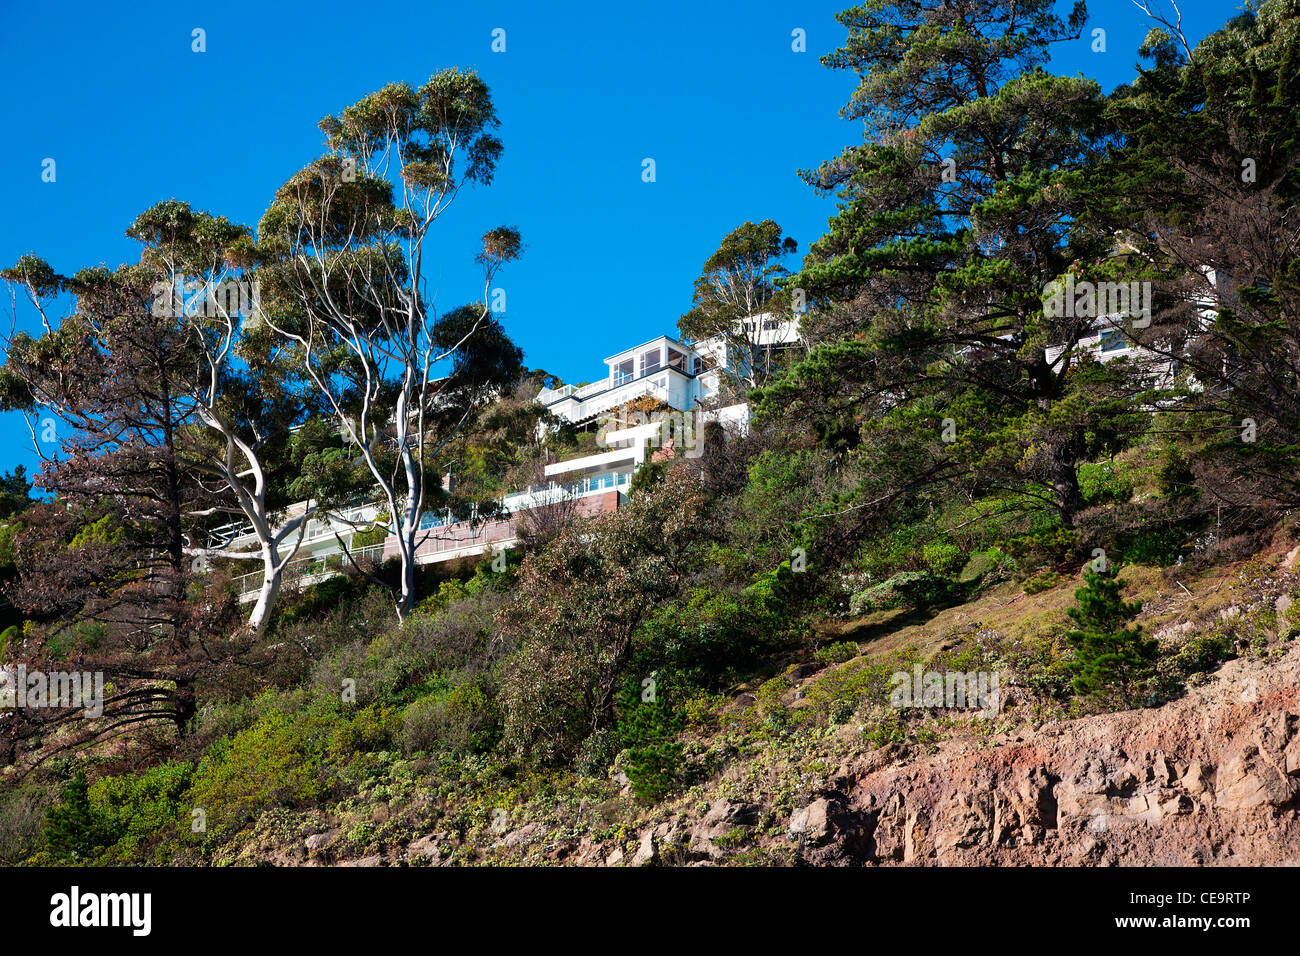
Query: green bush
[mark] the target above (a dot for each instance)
(943, 557)
(648, 730)
(914, 589)
(73, 830)
(1044, 580)
(837, 653)
(715, 636)
(1104, 482)
(1040, 549)
(139, 811)
(459, 719)
(1199, 655)
(1153, 546)
(598, 752)
(278, 762)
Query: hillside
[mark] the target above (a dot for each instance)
(965, 532)
(810, 768)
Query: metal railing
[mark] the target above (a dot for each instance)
(311, 568)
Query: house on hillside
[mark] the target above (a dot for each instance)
(675, 382)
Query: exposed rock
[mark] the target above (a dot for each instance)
(615, 858)
(427, 847)
(375, 860)
(525, 834)
(646, 852)
(722, 818)
(1211, 778)
(320, 841)
(1289, 562)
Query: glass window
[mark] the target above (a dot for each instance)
(676, 359)
(624, 371)
(1112, 340)
(650, 361)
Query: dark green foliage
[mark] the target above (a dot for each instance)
(714, 637)
(1042, 549)
(1110, 658)
(917, 590)
(15, 492)
(837, 653)
(648, 727)
(1155, 545)
(73, 830)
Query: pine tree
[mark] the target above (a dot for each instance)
(71, 828)
(1109, 656)
(958, 213)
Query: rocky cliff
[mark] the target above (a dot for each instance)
(1212, 778)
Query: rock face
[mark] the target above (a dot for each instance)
(1213, 778)
(722, 818)
(321, 841)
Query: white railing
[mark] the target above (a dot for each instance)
(310, 569)
(555, 491)
(624, 393)
(317, 527)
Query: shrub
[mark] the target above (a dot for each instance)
(1104, 483)
(715, 636)
(1154, 546)
(1199, 655)
(943, 557)
(598, 752)
(648, 729)
(275, 763)
(1044, 580)
(459, 719)
(138, 811)
(916, 589)
(74, 831)
(22, 817)
(837, 653)
(1040, 549)
(1108, 656)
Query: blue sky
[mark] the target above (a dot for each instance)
(585, 91)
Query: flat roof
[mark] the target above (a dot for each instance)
(657, 338)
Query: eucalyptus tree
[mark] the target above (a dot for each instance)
(737, 298)
(346, 243)
(245, 390)
(232, 399)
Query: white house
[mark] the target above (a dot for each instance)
(686, 379)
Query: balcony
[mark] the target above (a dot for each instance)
(580, 404)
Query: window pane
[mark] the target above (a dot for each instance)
(1112, 340)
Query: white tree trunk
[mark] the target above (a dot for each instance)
(271, 574)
